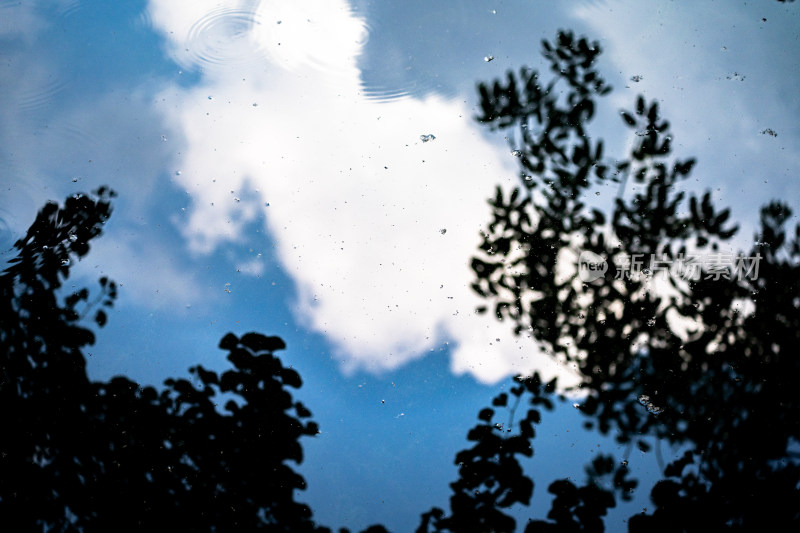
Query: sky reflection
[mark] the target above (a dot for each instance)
(271, 177)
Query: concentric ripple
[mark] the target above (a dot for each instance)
(37, 96)
(222, 37)
(404, 90)
(389, 77)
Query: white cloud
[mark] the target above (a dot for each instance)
(357, 202)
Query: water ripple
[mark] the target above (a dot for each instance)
(402, 91)
(390, 76)
(39, 95)
(223, 36)
(70, 7)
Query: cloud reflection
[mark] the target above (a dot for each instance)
(356, 200)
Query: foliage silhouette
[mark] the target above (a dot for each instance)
(723, 388)
(77, 455)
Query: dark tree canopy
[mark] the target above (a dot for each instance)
(724, 388)
(77, 455)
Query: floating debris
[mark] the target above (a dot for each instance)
(427, 138)
(654, 409)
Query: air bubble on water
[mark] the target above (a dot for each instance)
(644, 399)
(65, 262)
(177, 172)
(164, 138)
(651, 322)
(255, 104)
(516, 153)
(73, 237)
(488, 58)
(637, 78)
(74, 180)
(266, 204)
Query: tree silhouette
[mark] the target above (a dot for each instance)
(77, 455)
(724, 388)
(701, 357)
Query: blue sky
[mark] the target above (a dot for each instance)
(272, 178)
